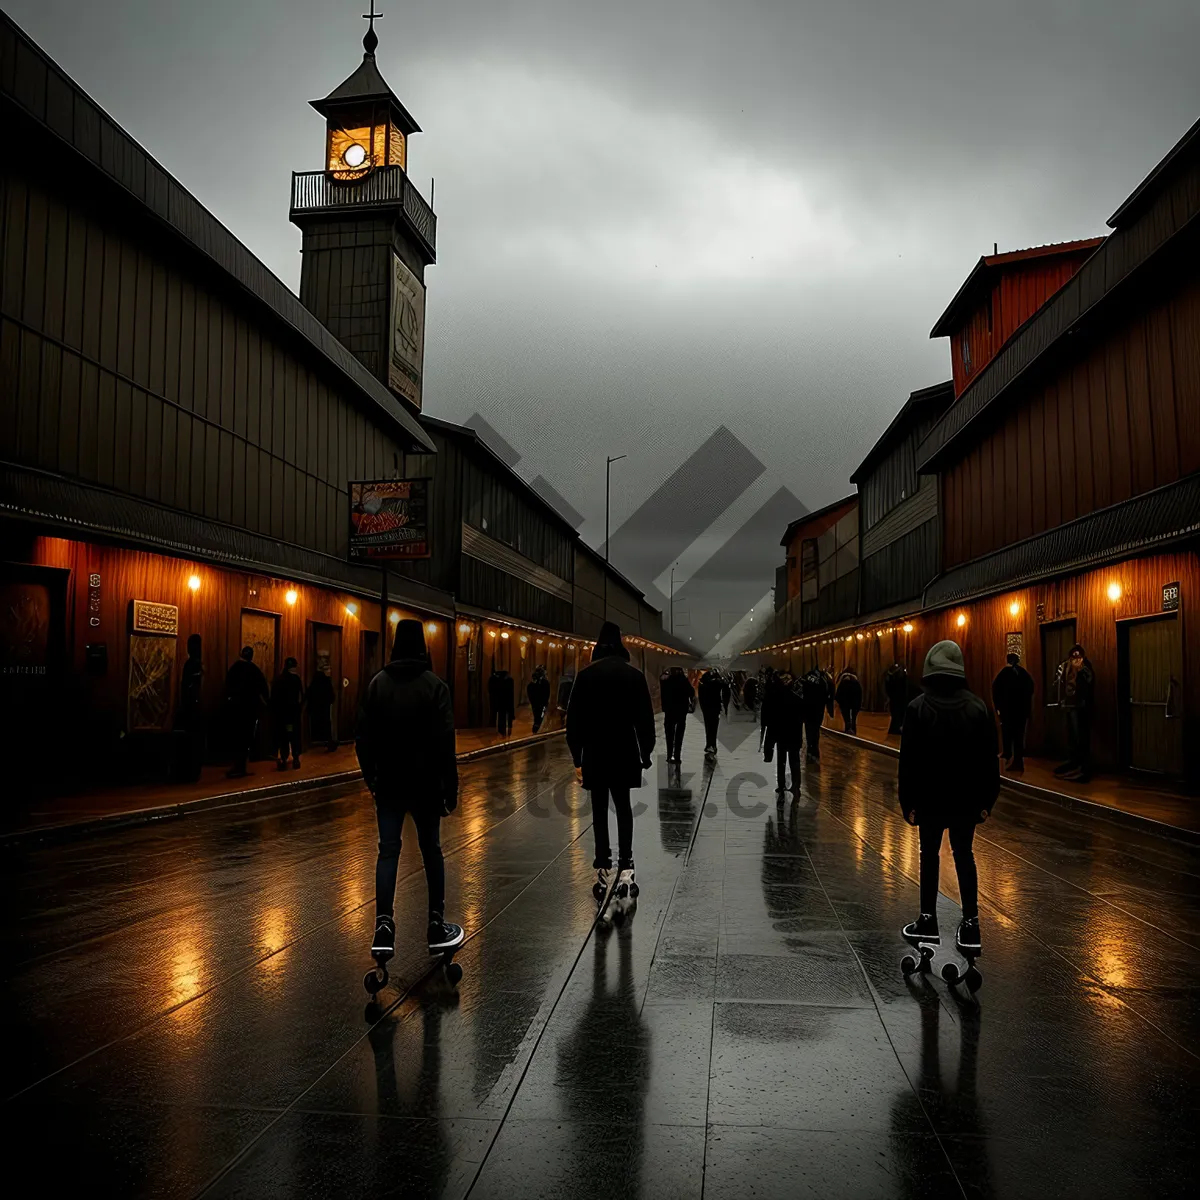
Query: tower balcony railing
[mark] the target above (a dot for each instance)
(318, 191)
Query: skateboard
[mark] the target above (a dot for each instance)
(952, 973)
(616, 902)
(376, 979)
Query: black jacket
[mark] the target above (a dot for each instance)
(949, 770)
(895, 684)
(538, 691)
(320, 691)
(502, 693)
(610, 721)
(677, 694)
(750, 692)
(1075, 688)
(1012, 693)
(710, 692)
(287, 697)
(405, 735)
(849, 692)
(783, 724)
(816, 695)
(245, 686)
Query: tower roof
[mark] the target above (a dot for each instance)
(365, 86)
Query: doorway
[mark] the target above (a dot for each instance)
(260, 631)
(325, 690)
(1150, 678)
(1057, 640)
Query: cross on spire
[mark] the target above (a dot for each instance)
(371, 38)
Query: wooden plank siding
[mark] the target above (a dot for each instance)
(155, 379)
(1119, 419)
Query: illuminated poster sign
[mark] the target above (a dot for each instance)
(150, 617)
(408, 333)
(389, 519)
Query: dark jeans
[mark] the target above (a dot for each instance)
(812, 735)
(1079, 738)
(788, 756)
(620, 799)
(961, 837)
(503, 723)
(287, 735)
(896, 709)
(539, 715)
(427, 817)
(850, 717)
(675, 723)
(1012, 733)
(711, 721)
(244, 729)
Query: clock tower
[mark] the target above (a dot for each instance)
(368, 234)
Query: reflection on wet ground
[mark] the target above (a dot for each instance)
(185, 1002)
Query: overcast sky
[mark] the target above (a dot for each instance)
(659, 216)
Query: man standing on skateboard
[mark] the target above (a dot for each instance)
(405, 745)
(610, 733)
(949, 780)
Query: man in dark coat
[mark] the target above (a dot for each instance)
(1076, 687)
(405, 746)
(538, 691)
(502, 695)
(246, 692)
(189, 719)
(709, 693)
(287, 699)
(320, 708)
(610, 733)
(726, 693)
(849, 699)
(895, 687)
(1012, 694)
(677, 697)
(816, 699)
(783, 722)
(949, 779)
(750, 696)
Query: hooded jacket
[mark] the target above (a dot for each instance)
(405, 735)
(784, 721)
(538, 691)
(710, 692)
(610, 720)
(849, 692)
(949, 769)
(1012, 693)
(677, 693)
(816, 694)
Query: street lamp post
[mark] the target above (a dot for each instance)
(673, 599)
(607, 492)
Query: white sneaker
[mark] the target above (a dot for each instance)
(626, 884)
(604, 879)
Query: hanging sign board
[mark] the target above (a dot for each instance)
(1014, 643)
(389, 519)
(1170, 597)
(407, 358)
(151, 617)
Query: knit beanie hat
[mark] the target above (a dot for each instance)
(946, 658)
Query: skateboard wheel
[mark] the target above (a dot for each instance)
(376, 980)
(597, 891)
(634, 890)
(453, 972)
(950, 974)
(908, 964)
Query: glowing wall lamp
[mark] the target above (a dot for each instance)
(491, 633)
(352, 609)
(505, 635)
(394, 618)
(1114, 591)
(291, 596)
(908, 628)
(431, 627)
(1014, 609)
(962, 620)
(194, 582)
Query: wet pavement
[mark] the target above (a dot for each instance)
(183, 1009)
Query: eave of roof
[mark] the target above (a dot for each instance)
(1129, 207)
(36, 86)
(361, 85)
(965, 296)
(815, 516)
(943, 392)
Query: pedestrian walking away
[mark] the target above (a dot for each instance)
(502, 697)
(1076, 685)
(709, 694)
(610, 733)
(320, 707)
(678, 699)
(784, 729)
(726, 693)
(1012, 696)
(895, 686)
(849, 696)
(816, 699)
(189, 717)
(538, 691)
(287, 699)
(246, 693)
(949, 779)
(750, 696)
(405, 745)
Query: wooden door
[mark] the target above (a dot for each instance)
(1057, 640)
(1155, 672)
(260, 631)
(327, 659)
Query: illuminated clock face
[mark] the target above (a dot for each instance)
(354, 155)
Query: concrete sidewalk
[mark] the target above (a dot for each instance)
(54, 817)
(1120, 796)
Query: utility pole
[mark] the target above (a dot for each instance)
(607, 492)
